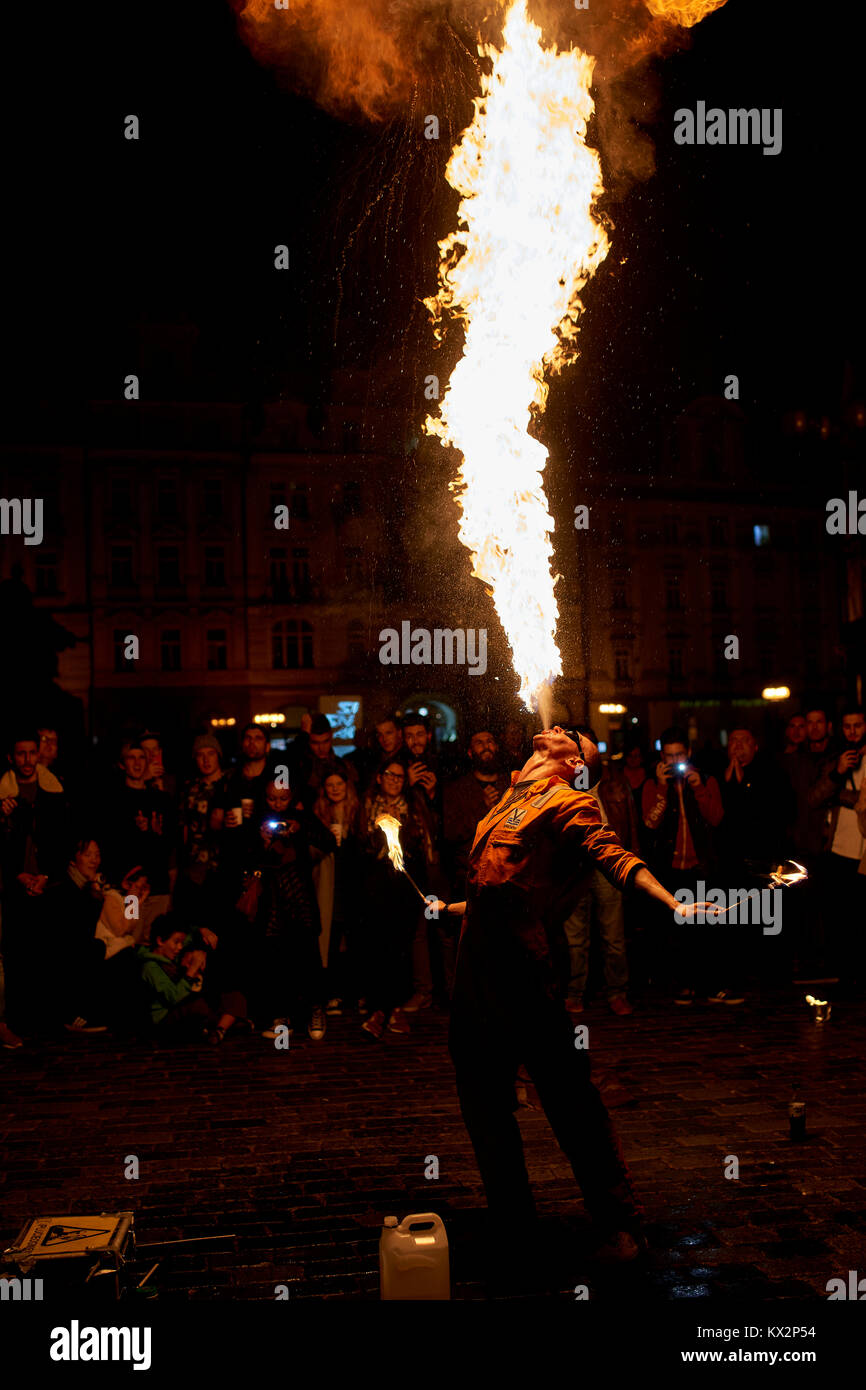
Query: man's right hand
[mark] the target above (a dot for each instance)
(491, 796)
(848, 760)
(664, 772)
(8, 804)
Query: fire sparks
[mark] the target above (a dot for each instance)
(526, 244)
(684, 12)
(390, 828)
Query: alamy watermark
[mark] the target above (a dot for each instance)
(442, 647)
(733, 127)
(734, 906)
(22, 516)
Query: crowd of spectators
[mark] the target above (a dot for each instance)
(185, 904)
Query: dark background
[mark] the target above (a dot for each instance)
(735, 261)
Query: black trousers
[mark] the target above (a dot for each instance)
(501, 1016)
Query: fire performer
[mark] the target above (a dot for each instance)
(526, 861)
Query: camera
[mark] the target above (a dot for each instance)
(277, 827)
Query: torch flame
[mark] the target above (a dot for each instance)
(391, 831)
(526, 244)
(783, 879)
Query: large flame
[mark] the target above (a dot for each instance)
(526, 244)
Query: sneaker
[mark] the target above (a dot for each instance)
(398, 1022)
(216, 1036)
(317, 1025)
(620, 1006)
(415, 1004)
(80, 1025)
(685, 996)
(362, 1008)
(574, 1006)
(374, 1026)
(8, 1039)
(278, 1023)
(620, 1248)
(725, 996)
(334, 1007)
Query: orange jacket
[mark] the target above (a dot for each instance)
(530, 853)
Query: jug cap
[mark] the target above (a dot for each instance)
(390, 1221)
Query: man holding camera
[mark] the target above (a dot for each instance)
(681, 810)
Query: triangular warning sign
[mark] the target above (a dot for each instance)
(66, 1235)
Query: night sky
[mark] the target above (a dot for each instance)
(736, 261)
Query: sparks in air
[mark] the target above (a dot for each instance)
(512, 273)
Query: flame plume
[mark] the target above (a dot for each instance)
(527, 243)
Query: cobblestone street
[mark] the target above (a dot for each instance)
(294, 1158)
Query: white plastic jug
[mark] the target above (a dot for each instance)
(413, 1258)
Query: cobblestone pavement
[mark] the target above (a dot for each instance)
(295, 1157)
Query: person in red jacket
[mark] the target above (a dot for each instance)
(527, 859)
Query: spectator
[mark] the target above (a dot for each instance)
(836, 793)
(759, 806)
(467, 801)
(172, 972)
(807, 838)
(156, 775)
(795, 734)
(311, 767)
(681, 812)
(338, 808)
(33, 828)
(617, 809)
(49, 747)
(424, 797)
(292, 983)
(246, 805)
(202, 817)
(92, 986)
(757, 801)
(389, 903)
(139, 833)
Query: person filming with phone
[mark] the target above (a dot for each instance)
(681, 810)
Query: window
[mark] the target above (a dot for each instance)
(119, 496)
(212, 497)
(300, 570)
(278, 571)
(46, 574)
(357, 644)
(352, 502)
(718, 531)
(621, 665)
(119, 642)
(300, 505)
(277, 498)
(761, 535)
(217, 649)
(353, 565)
(121, 573)
(167, 501)
(169, 649)
(352, 437)
(291, 645)
(719, 595)
(675, 663)
(168, 567)
(673, 593)
(215, 566)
